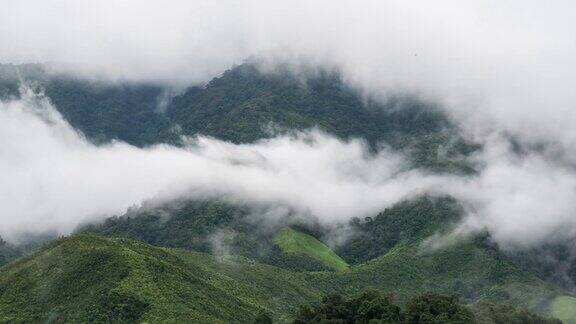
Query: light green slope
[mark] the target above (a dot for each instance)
(564, 308)
(297, 243)
(89, 278)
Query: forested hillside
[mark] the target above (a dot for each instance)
(387, 250)
(245, 105)
(91, 278)
(103, 111)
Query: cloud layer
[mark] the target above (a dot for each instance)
(501, 69)
(53, 179)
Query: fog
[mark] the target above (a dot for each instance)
(500, 69)
(53, 179)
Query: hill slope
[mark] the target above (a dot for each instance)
(241, 106)
(91, 278)
(103, 111)
(294, 242)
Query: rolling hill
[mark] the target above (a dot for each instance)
(387, 252)
(92, 278)
(297, 243)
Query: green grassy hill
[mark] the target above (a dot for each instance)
(90, 278)
(564, 308)
(293, 242)
(93, 278)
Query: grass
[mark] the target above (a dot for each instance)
(293, 242)
(564, 308)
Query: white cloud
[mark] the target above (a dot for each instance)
(53, 179)
(521, 200)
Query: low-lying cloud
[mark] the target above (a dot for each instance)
(54, 179)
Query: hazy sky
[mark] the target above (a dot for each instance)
(499, 68)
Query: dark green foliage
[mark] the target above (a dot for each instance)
(103, 111)
(206, 226)
(245, 105)
(393, 241)
(7, 251)
(374, 236)
(116, 307)
(361, 308)
(193, 224)
(263, 318)
(241, 106)
(87, 277)
(433, 308)
(507, 314)
(371, 307)
(10, 251)
(552, 262)
(84, 279)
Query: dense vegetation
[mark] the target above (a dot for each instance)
(293, 242)
(397, 259)
(213, 227)
(371, 307)
(8, 251)
(103, 111)
(245, 105)
(88, 278)
(239, 105)
(91, 278)
(374, 236)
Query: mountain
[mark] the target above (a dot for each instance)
(243, 106)
(103, 111)
(386, 251)
(246, 104)
(216, 260)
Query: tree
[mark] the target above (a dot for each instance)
(368, 306)
(263, 318)
(434, 308)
